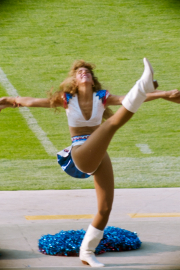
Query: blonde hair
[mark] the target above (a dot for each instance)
(69, 86)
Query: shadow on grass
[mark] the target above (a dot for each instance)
(4, 2)
(173, 3)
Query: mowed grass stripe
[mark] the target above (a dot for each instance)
(31, 121)
(46, 174)
(47, 217)
(150, 215)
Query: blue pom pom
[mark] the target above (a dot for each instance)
(67, 243)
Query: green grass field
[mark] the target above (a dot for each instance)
(39, 40)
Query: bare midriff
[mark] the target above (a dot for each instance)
(78, 131)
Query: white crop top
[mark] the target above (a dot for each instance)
(75, 116)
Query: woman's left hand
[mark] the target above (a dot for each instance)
(173, 93)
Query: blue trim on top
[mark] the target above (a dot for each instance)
(68, 97)
(101, 94)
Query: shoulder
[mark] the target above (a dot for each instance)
(67, 97)
(103, 95)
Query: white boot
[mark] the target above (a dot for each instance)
(89, 243)
(137, 94)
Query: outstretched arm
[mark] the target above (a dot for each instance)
(173, 99)
(172, 95)
(12, 102)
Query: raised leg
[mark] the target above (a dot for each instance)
(88, 156)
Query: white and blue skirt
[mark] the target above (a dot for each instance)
(66, 162)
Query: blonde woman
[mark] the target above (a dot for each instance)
(86, 103)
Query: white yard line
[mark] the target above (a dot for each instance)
(147, 171)
(144, 148)
(31, 121)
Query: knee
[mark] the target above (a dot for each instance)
(113, 123)
(105, 211)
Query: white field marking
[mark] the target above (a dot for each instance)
(127, 170)
(147, 170)
(144, 148)
(31, 121)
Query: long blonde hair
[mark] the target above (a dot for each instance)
(69, 86)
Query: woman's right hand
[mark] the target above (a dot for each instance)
(6, 102)
(2, 107)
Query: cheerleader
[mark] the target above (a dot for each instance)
(86, 104)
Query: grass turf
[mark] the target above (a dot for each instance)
(40, 40)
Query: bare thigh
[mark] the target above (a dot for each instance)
(88, 156)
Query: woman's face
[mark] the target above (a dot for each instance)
(84, 76)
